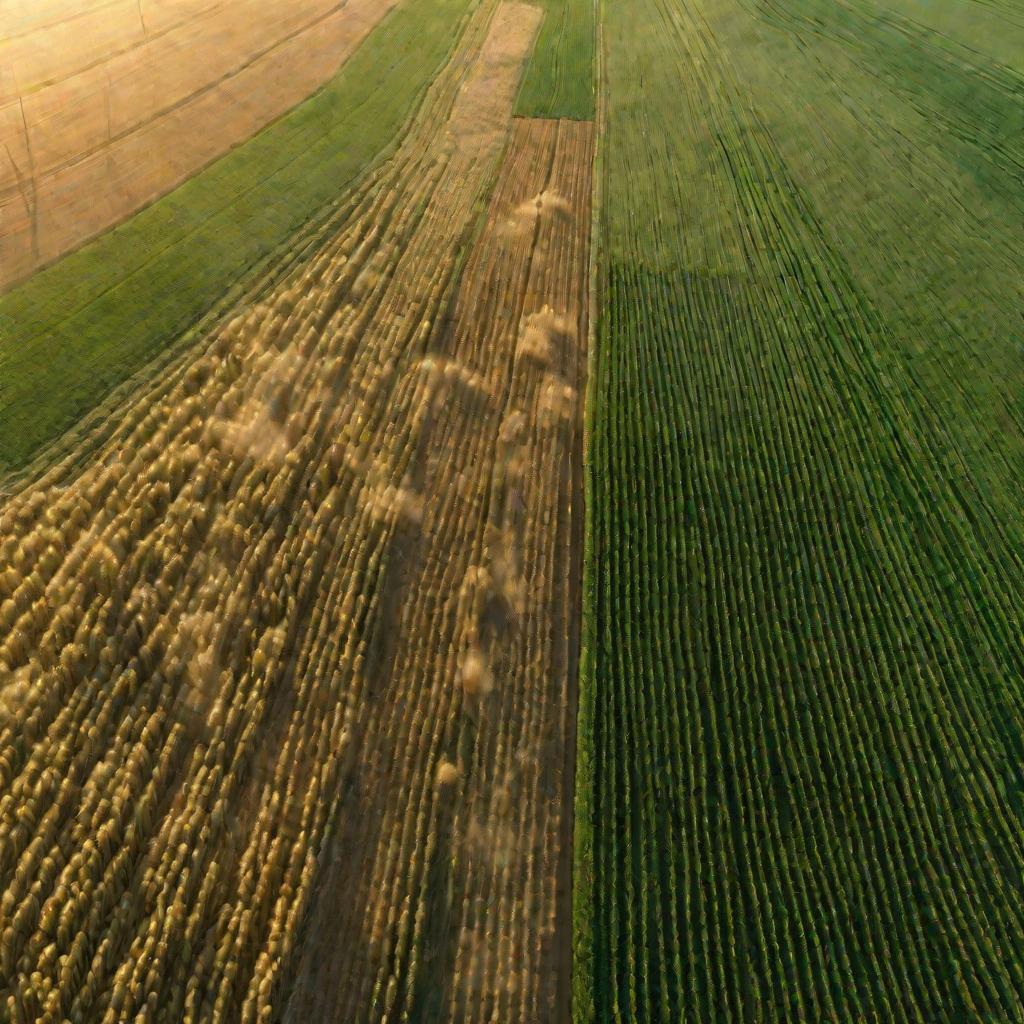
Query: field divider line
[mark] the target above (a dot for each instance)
(582, 987)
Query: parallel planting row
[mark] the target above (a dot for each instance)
(474, 659)
(802, 727)
(560, 79)
(288, 647)
(120, 302)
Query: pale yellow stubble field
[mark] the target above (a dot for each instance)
(107, 104)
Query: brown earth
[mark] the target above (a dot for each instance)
(104, 111)
(287, 662)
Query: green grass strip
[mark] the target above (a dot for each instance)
(560, 79)
(73, 332)
(583, 925)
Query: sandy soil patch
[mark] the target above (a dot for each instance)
(480, 111)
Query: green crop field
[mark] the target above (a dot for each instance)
(559, 81)
(802, 728)
(535, 534)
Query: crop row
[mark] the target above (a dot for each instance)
(559, 81)
(205, 657)
(483, 643)
(804, 718)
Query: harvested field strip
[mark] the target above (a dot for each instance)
(560, 79)
(110, 306)
(86, 153)
(90, 34)
(803, 724)
(475, 659)
(244, 675)
(45, 16)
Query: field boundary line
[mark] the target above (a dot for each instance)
(581, 953)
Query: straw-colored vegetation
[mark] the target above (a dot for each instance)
(287, 649)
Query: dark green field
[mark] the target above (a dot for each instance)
(802, 726)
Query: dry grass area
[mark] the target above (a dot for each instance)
(105, 107)
(287, 667)
(448, 872)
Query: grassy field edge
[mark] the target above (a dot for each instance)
(582, 1009)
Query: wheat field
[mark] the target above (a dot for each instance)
(510, 511)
